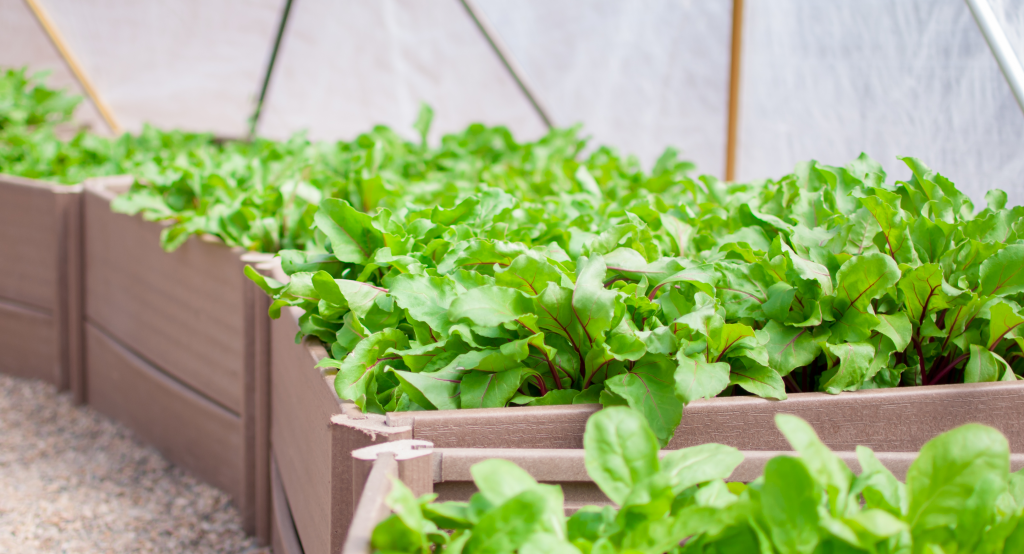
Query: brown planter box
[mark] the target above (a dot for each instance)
(172, 348)
(421, 467)
(316, 467)
(40, 285)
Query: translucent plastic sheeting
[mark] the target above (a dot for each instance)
(189, 64)
(1011, 18)
(24, 43)
(827, 80)
(640, 75)
(346, 65)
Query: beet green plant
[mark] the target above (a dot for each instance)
(959, 496)
(262, 195)
(654, 292)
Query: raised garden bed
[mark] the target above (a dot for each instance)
(387, 477)
(40, 286)
(316, 472)
(171, 348)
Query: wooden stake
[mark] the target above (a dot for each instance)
(76, 68)
(732, 135)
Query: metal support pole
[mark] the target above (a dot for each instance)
(254, 120)
(509, 61)
(1001, 48)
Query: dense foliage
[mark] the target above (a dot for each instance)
(959, 496)
(229, 189)
(486, 272)
(262, 194)
(32, 120)
(655, 291)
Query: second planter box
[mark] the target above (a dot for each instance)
(40, 285)
(169, 350)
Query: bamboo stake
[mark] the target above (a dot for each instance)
(76, 68)
(732, 134)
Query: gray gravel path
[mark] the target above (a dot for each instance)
(72, 480)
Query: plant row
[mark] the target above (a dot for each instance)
(486, 272)
(829, 279)
(261, 194)
(959, 496)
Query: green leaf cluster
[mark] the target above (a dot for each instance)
(261, 194)
(35, 121)
(660, 293)
(959, 496)
(26, 102)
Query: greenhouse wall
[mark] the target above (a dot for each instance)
(640, 75)
(190, 65)
(823, 80)
(828, 80)
(346, 66)
(23, 41)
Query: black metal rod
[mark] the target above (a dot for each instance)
(508, 61)
(254, 120)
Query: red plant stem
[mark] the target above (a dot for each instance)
(1000, 339)
(610, 281)
(924, 308)
(554, 372)
(540, 385)
(586, 383)
(938, 377)
(655, 291)
(920, 356)
(949, 335)
(939, 361)
(792, 382)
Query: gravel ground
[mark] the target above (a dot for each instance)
(72, 480)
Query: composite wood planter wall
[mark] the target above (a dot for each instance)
(171, 348)
(313, 433)
(40, 284)
(423, 468)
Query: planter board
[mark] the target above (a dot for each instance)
(188, 321)
(188, 429)
(886, 420)
(40, 285)
(316, 469)
(283, 539)
(311, 453)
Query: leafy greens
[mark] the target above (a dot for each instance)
(658, 290)
(959, 496)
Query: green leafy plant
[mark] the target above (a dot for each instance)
(262, 195)
(959, 496)
(26, 102)
(33, 118)
(665, 290)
